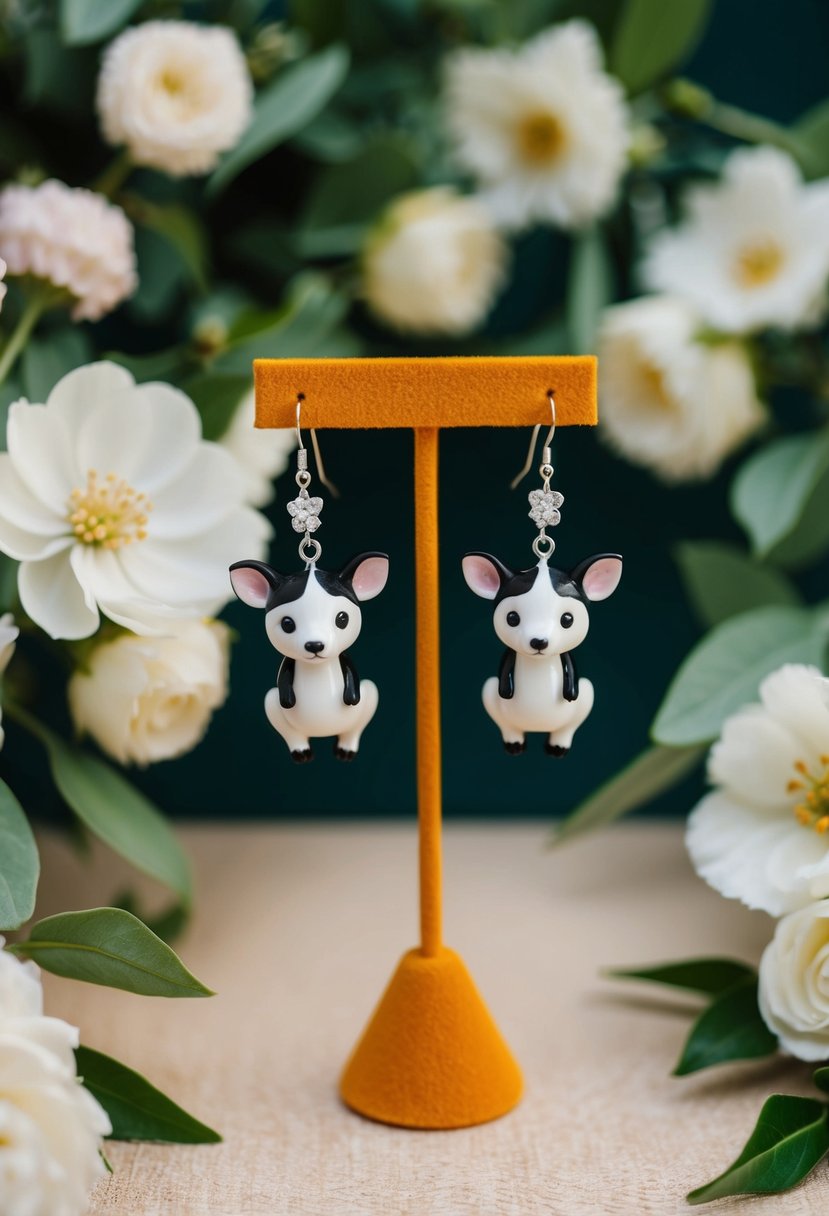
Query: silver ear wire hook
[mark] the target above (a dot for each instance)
(546, 461)
(302, 453)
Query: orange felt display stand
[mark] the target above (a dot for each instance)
(431, 1056)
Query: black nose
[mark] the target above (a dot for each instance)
(539, 643)
(316, 647)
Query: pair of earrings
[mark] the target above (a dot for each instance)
(540, 614)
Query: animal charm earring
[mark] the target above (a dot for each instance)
(311, 617)
(540, 615)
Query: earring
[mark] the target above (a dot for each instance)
(541, 615)
(311, 618)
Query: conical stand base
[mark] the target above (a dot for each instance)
(431, 1056)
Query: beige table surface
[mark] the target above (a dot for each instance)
(299, 928)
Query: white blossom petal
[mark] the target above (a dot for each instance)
(203, 493)
(798, 696)
(754, 758)
(41, 449)
(54, 599)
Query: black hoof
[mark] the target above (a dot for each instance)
(515, 749)
(302, 757)
(553, 749)
(342, 753)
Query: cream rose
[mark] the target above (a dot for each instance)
(176, 94)
(148, 699)
(433, 263)
(794, 982)
(50, 1126)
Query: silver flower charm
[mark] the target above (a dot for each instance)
(544, 507)
(305, 513)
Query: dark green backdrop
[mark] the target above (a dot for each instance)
(765, 55)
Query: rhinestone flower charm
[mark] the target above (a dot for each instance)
(544, 507)
(305, 512)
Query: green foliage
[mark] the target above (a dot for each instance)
(137, 1110)
(731, 1028)
(791, 1137)
(114, 811)
(707, 976)
(19, 863)
(48, 357)
(111, 947)
(721, 581)
(773, 489)
(283, 108)
(810, 136)
(83, 21)
(653, 37)
(652, 772)
(590, 289)
(723, 671)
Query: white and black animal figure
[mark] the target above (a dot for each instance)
(540, 615)
(311, 618)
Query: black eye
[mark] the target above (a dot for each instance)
(341, 620)
(288, 624)
(567, 620)
(513, 619)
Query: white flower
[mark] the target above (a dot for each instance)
(262, 453)
(149, 699)
(433, 263)
(111, 501)
(175, 93)
(754, 249)
(794, 982)
(761, 835)
(667, 401)
(9, 634)
(50, 1126)
(544, 128)
(71, 238)
(3, 287)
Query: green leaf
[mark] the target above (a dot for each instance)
(84, 21)
(708, 976)
(772, 488)
(653, 37)
(731, 1028)
(19, 863)
(168, 924)
(589, 291)
(161, 278)
(810, 140)
(301, 328)
(821, 1078)
(721, 581)
(346, 197)
(179, 228)
(114, 811)
(723, 672)
(137, 1110)
(111, 947)
(790, 1138)
(48, 357)
(283, 108)
(652, 772)
(217, 398)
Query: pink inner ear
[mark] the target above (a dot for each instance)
(370, 577)
(602, 578)
(251, 586)
(481, 576)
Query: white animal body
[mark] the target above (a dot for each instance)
(540, 615)
(311, 618)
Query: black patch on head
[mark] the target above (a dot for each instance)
(293, 588)
(523, 581)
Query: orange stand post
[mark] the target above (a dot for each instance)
(431, 1056)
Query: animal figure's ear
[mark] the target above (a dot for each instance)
(485, 574)
(598, 577)
(366, 574)
(253, 582)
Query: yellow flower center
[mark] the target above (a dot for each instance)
(172, 82)
(758, 263)
(541, 138)
(812, 790)
(108, 513)
(655, 385)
